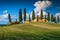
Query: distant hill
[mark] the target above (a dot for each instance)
(3, 24)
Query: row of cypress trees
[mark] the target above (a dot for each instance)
(49, 17)
(20, 15)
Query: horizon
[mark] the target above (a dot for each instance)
(12, 7)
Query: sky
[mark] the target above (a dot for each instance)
(12, 7)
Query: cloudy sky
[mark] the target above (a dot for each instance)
(12, 7)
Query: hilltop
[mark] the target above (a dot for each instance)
(31, 31)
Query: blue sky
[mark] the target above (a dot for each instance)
(12, 7)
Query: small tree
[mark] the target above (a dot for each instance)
(9, 17)
(41, 15)
(25, 14)
(20, 15)
(29, 18)
(48, 17)
(37, 18)
(16, 20)
(33, 15)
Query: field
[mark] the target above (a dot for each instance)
(31, 31)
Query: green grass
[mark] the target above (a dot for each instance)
(29, 32)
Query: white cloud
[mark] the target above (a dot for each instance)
(38, 6)
(57, 14)
(4, 16)
(14, 16)
(41, 5)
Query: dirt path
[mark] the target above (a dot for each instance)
(44, 26)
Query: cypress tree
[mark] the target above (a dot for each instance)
(41, 15)
(45, 18)
(20, 15)
(29, 18)
(9, 17)
(33, 15)
(52, 18)
(58, 19)
(25, 14)
(37, 18)
(48, 17)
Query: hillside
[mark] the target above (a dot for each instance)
(31, 31)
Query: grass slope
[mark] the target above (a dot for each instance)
(29, 32)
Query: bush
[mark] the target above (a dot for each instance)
(12, 23)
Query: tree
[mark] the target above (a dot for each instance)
(45, 18)
(25, 14)
(9, 17)
(29, 18)
(37, 18)
(52, 18)
(20, 15)
(41, 15)
(48, 17)
(33, 15)
(58, 19)
(16, 20)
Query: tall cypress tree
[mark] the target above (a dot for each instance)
(48, 17)
(29, 18)
(58, 19)
(41, 15)
(45, 18)
(37, 18)
(54, 19)
(9, 17)
(33, 15)
(25, 14)
(20, 15)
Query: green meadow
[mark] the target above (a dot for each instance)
(31, 31)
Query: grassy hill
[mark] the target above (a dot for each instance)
(31, 31)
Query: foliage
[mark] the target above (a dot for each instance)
(25, 14)
(48, 17)
(45, 18)
(58, 19)
(33, 15)
(41, 15)
(37, 18)
(9, 17)
(20, 15)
